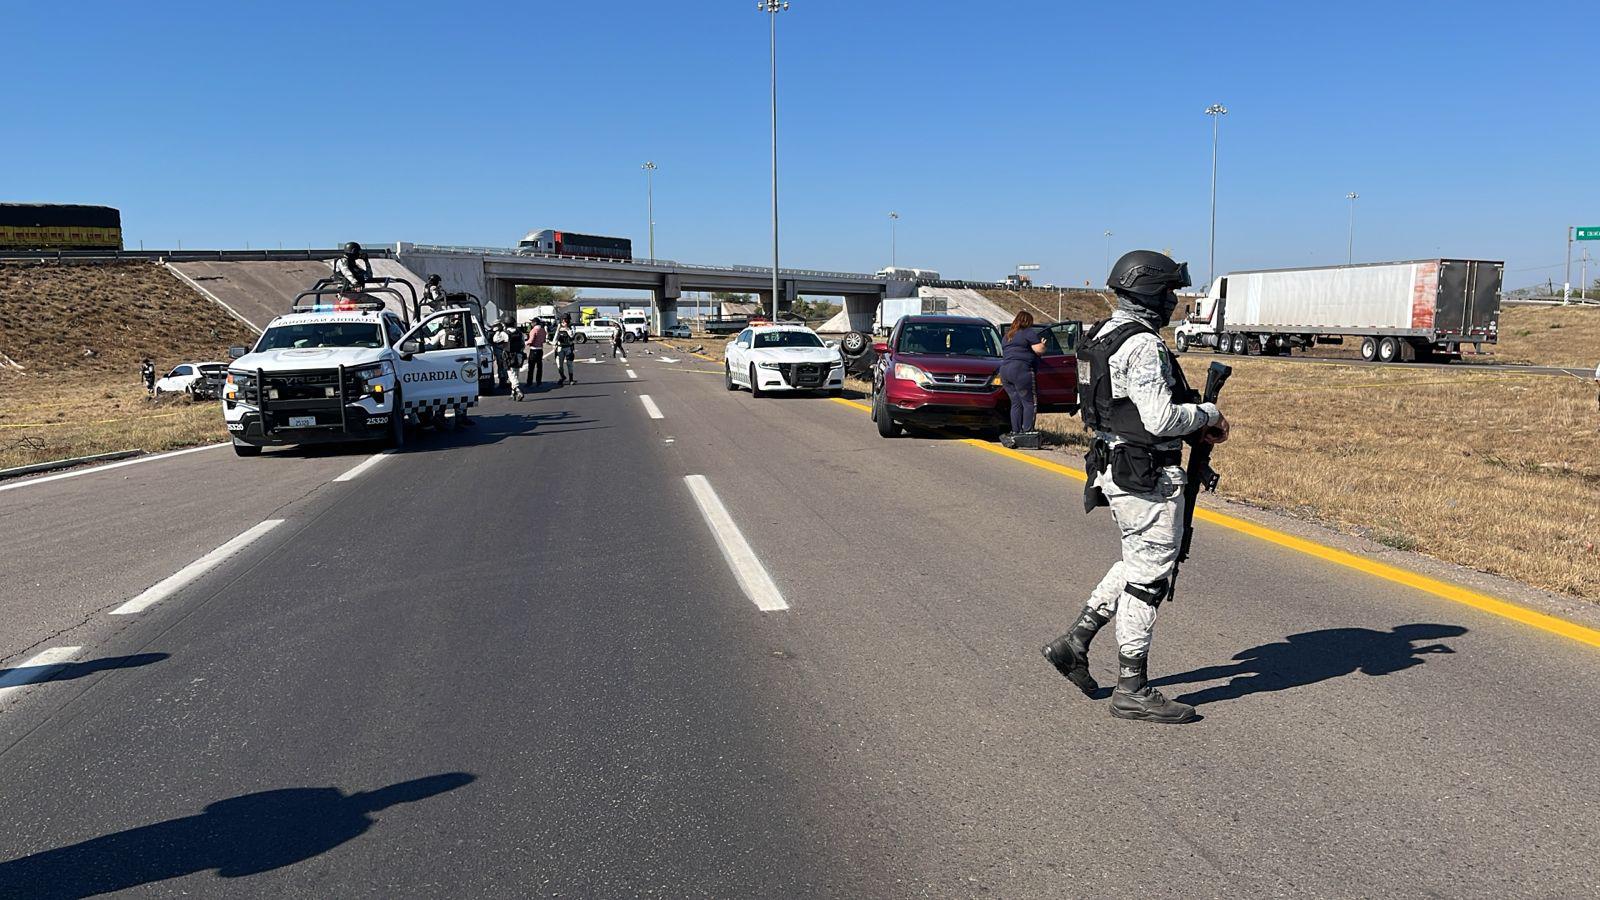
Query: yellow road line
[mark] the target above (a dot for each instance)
(1443, 589)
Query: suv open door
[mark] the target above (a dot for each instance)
(1057, 377)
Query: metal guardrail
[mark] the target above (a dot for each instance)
(189, 255)
(666, 263)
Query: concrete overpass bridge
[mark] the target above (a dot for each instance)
(493, 273)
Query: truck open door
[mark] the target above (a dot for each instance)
(439, 365)
(1057, 378)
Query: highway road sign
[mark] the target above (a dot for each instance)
(1587, 234)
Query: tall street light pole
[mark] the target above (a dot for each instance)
(772, 8)
(650, 204)
(1108, 251)
(894, 240)
(1350, 245)
(1216, 111)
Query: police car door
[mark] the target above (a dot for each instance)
(1057, 377)
(442, 369)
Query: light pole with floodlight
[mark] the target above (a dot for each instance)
(1216, 111)
(1108, 251)
(772, 8)
(650, 204)
(894, 240)
(1350, 245)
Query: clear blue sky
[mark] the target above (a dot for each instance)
(1003, 132)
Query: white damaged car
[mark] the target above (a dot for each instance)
(769, 358)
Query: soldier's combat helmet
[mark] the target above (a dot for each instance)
(1148, 279)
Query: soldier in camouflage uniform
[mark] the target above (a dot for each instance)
(1141, 408)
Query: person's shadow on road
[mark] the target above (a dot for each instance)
(239, 836)
(1313, 656)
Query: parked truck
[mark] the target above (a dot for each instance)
(893, 309)
(1423, 309)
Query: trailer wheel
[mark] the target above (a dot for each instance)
(1369, 349)
(1388, 350)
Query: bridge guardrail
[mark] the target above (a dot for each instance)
(671, 263)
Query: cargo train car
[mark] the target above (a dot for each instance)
(59, 226)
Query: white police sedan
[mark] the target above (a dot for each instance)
(770, 358)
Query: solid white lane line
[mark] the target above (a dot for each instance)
(164, 588)
(651, 407)
(40, 667)
(747, 569)
(116, 465)
(369, 462)
(632, 374)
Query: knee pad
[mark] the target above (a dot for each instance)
(1151, 592)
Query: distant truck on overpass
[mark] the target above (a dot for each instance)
(570, 243)
(1414, 310)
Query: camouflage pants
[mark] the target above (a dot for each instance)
(1152, 529)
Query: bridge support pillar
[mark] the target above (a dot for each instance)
(665, 303)
(501, 298)
(862, 309)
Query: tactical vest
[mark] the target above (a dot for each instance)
(1117, 415)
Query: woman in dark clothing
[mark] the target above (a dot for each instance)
(1020, 357)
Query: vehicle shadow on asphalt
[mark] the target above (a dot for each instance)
(244, 835)
(1313, 656)
(492, 429)
(69, 671)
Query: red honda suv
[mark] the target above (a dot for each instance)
(939, 371)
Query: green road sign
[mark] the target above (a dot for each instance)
(1587, 234)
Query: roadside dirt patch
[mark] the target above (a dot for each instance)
(76, 332)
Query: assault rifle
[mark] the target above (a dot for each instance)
(1200, 473)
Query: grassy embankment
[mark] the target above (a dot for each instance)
(78, 332)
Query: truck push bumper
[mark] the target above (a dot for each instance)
(358, 425)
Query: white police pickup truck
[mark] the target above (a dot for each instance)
(350, 372)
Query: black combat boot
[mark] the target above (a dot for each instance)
(1135, 699)
(1070, 652)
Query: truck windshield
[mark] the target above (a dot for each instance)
(787, 339)
(943, 339)
(321, 334)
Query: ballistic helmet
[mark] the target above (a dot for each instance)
(1149, 279)
(433, 279)
(352, 249)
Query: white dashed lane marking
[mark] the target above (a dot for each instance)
(650, 407)
(166, 587)
(39, 668)
(369, 462)
(747, 568)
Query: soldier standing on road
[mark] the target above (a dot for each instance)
(566, 349)
(1140, 407)
(617, 350)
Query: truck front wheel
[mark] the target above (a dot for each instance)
(240, 448)
(1182, 343)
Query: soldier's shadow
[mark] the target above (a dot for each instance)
(1313, 656)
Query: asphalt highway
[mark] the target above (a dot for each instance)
(526, 659)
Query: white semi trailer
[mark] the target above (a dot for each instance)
(1417, 310)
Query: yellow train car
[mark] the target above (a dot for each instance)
(59, 226)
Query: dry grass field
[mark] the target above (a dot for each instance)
(1497, 472)
(1549, 336)
(78, 332)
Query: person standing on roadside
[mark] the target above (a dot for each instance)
(566, 350)
(1597, 384)
(1141, 409)
(1019, 362)
(147, 373)
(537, 337)
(617, 350)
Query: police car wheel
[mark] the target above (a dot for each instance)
(582, 338)
(240, 448)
